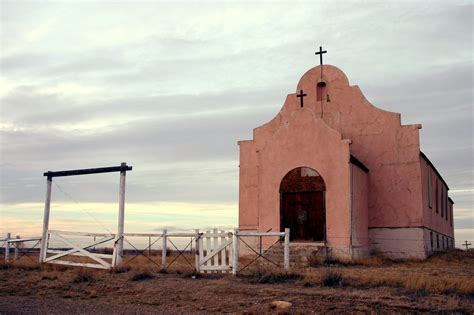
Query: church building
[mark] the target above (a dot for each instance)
(344, 176)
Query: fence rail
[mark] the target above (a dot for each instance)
(17, 244)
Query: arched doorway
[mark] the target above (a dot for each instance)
(302, 205)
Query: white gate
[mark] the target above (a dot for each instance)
(214, 252)
(79, 250)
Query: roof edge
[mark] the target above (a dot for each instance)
(358, 163)
(434, 168)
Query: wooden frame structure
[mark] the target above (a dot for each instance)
(76, 250)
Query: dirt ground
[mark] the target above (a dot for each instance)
(54, 290)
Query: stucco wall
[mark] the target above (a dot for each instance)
(248, 186)
(304, 140)
(360, 215)
(388, 149)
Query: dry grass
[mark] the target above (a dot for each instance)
(446, 282)
(448, 272)
(267, 274)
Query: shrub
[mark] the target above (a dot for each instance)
(83, 275)
(331, 278)
(315, 260)
(121, 269)
(144, 275)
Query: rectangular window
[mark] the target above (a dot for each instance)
(442, 201)
(446, 204)
(430, 193)
(437, 241)
(431, 240)
(437, 196)
(451, 210)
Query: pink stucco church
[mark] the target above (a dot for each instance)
(343, 175)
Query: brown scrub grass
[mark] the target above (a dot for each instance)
(450, 272)
(446, 272)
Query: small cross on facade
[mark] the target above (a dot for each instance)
(466, 244)
(320, 53)
(301, 95)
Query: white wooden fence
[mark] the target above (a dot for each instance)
(17, 243)
(215, 250)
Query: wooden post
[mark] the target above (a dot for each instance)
(215, 244)
(7, 248)
(121, 218)
(164, 249)
(149, 246)
(17, 244)
(235, 249)
(286, 258)
(47, 205)
(196, 246)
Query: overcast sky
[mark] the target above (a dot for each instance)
(170, 88)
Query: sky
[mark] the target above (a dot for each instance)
(170, 87)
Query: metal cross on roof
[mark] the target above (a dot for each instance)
(301, 95)
(320, 53)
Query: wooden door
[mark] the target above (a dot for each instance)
(303, 213)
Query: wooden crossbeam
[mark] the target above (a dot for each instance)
(55, 251)
(122, 168)
(77, 264)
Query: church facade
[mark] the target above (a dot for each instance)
(343, 175)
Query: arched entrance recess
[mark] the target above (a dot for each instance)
(302, 205)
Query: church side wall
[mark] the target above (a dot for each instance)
(359, 212)
(437, 209)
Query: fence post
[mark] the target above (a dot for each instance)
(286, 258)
(196, 246)
(235, 249)
(149, 246)
(7, 248)
(17, 244)
(164, 249)
(47, 205)
(120, 228)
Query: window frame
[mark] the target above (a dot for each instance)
(430, 188)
